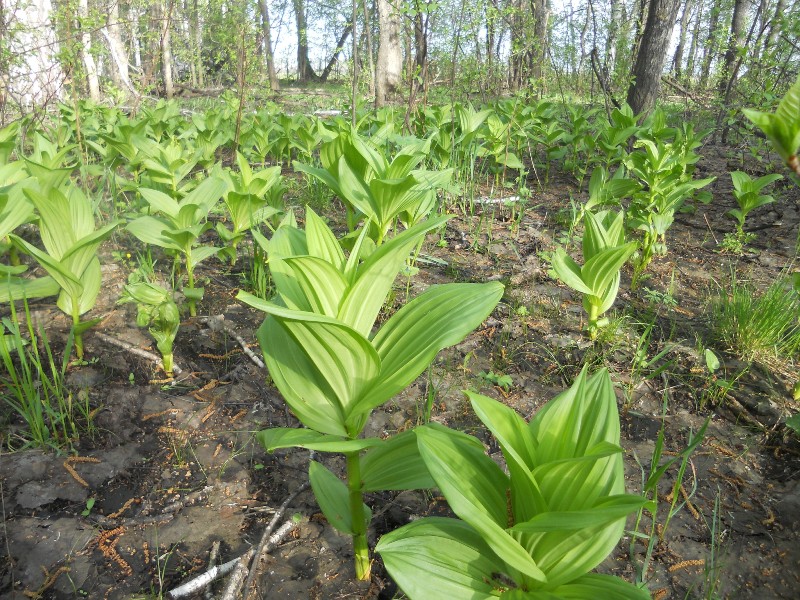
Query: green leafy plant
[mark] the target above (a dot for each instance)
(373, 186)
(333, 369)
(663, 168)
(70, 240)
(498, 379)
(748, 194)
(536, 531)
(252, 198)
(157, 311)
(604, 253)
(179, 226)
(782, 127)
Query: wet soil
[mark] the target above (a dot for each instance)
(174, 470)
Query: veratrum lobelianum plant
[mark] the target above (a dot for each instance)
(70, 240)
(748, 195)
(371, 185)
(535, 532)
(333, 369)
(178, 227)
(604, 253)
(156, 310)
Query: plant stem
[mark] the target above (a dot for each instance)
(190, 283)
(359, 519)
(76, 321)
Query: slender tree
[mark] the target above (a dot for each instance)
(677, 61)
(269, 58)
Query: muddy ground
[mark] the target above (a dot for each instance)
(173, 469)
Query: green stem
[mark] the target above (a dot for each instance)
(593, 315)
(359, 519)
(76, 321)
(190, 283)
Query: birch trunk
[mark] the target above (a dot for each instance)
(166, 48)
(92, 81)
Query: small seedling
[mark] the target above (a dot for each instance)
(497, 379)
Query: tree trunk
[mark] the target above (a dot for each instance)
(305, 72)
(92, 81)
(368, 34)
(197, 43)
(611, 39)
(30, 72)
(339, 48)
(166, 47)
(541, 16)
(389, 67)
(116, 48)
(775, 26)
(692, 60)
(647, 70)
(734, 45)
(710, 48)
(268, 56)
(677, 61)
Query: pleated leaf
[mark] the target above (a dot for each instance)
(439, 317)
(320, 366)
(440, 558)
(374, 278)
(333, 498)
(475, 489)
(290, 437)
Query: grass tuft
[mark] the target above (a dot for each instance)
(757, 326)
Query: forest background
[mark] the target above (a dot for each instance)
(721, 52)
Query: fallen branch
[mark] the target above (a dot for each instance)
(269, 542)
(198, 583)
(135, 350)
(217, 323)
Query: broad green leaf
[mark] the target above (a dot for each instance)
(320, 365)
(374, 279)
(56, 227)
(596, 587)
(321, 241)
(161, 202)
(91, 279)
(439, 317)
(512, 432)
(207, 194)
(356, 191)
(475, 489)
(599, 271)
(333, 498)
(63, 276)
(321, 284)
(440, 558)
(18, 288)
(199, 254)
(569, 272)
(150, 230)
(85, 249)
(287, 437)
